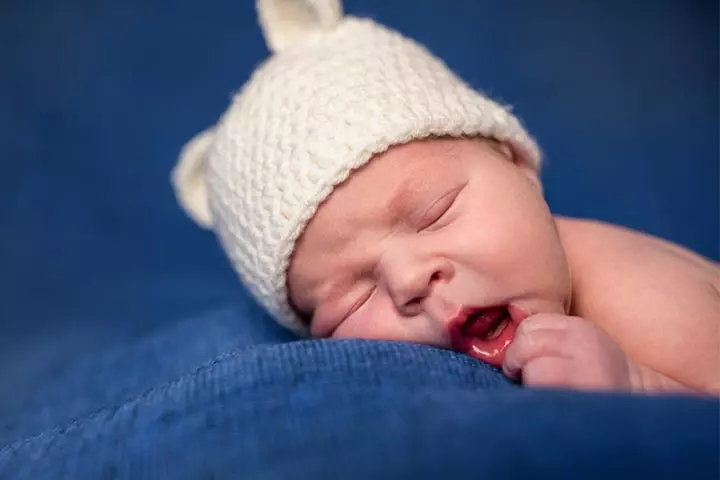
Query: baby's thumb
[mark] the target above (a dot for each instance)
(188, 178)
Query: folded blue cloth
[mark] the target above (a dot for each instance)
(56, 384)
(363, 409)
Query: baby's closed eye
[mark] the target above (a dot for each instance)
(431, 217)
(366, 294)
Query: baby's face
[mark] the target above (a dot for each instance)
(445, 242)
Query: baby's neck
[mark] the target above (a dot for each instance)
(570, 232)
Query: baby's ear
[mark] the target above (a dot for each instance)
(188, 178)
(532, 174)
(521, 162)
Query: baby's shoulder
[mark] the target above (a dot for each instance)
(592, 241)
(610, 261)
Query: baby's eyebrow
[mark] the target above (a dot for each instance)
(405, 195)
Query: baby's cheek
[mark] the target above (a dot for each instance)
(382, 322)
(373, 321)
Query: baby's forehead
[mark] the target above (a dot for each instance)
(419, 162)
(393, 179)
(391, 183)
(382, 194)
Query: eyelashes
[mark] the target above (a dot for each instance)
(361, 301)
(429, 219)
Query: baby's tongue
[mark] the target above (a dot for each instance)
(487, 335)
(478, 324)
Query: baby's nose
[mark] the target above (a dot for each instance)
(410, 286)
(412, 279)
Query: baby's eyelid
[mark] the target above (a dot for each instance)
(438, 209)
(361, 301)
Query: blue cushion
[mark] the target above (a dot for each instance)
(358, 409)
(47, 390)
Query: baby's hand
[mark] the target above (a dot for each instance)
(562, 351)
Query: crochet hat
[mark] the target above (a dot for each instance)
(336, 91)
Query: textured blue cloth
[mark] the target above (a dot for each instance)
(357, 409)
(80, 384)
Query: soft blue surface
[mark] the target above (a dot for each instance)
(370, 410)
(108, 290)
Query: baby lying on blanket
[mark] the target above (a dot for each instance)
(362, 190)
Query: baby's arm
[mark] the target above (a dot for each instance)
(660, 303)
(551, 349)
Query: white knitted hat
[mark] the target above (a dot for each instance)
(336, 91)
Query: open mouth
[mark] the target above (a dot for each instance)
(485, 333)
(485, 324)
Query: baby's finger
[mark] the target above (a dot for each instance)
(529, 346)
(543, 321)
(546, 372)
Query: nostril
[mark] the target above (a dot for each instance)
(434, 277)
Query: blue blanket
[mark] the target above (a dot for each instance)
(360, 409)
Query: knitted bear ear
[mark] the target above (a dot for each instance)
(291, 22)
(188, 178)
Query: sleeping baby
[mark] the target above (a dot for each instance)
(362, 190)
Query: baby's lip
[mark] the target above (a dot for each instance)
(469, 328)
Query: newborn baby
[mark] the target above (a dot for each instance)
(362, 190)
(448, 242)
